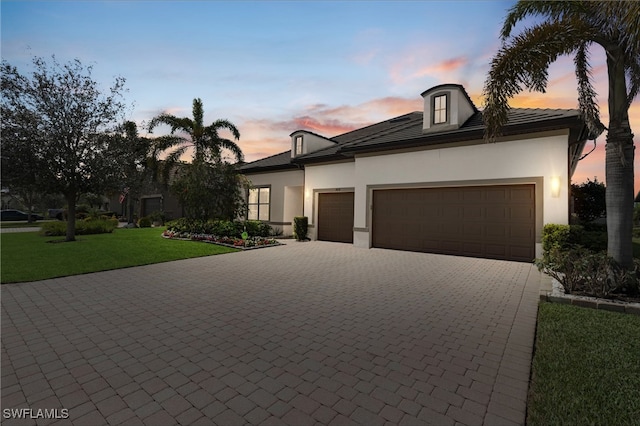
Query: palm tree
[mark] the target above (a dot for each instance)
(572, 27)
(205, 140)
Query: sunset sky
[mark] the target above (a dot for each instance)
(273, 67)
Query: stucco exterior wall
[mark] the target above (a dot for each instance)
(325, 178)
(284, 203)
(534, 160)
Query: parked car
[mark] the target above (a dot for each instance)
(18, 215)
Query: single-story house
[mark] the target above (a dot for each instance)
(427, 181)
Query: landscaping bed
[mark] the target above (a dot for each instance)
(248, 243)
(239, 234)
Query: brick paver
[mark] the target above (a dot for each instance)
(305, 333)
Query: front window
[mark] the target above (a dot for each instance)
(259, 204)
(440, 109)
(298, 145)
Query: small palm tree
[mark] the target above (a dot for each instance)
(571, 27)
(205, 140)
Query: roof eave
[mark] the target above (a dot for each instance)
(254, 170)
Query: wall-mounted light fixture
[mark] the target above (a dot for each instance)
(555, 186)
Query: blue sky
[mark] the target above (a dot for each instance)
(273, 67)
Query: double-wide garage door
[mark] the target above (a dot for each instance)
(481, 221)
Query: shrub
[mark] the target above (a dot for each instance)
(83, 227)
(144, 222)
(157, 216)
(561, 237)
(593, 273)
(564, 237)
(220, 228)
(300, 227)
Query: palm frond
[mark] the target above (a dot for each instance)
(620, 21)
(524, 62)
(586, 92)
(233, 147)
(226, 124)
(555, 10)
(176, 123)
(633, 75)
(166, 142)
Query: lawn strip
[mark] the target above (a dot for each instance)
(586, 367)
(31, 257)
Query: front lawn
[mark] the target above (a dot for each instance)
(586, 367)
(30, 257)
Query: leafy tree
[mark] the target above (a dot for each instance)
(59, 113)
(20, 163)
(205, 140)
(572, 27)
(589, 200)
(210, 191)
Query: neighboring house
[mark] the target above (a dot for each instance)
(156, 198)
(427, 181)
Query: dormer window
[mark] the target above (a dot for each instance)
(440, 109)
(298, 147)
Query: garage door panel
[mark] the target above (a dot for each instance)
(524, 195)
(472, 248)
(484, 221)
(472, 196)
(498, 251)
(472, 230)
(524, 213)
(473, 212)
(523, 232)
(521, 252)
(498, 195)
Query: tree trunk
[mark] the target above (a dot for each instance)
(619, 165)
(71, 216)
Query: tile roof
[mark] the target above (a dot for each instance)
(406, 131)
(274, 162)
(520, 120)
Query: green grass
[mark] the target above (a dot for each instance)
(22, 224)
(586, 368)
(29, 257)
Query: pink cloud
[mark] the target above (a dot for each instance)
(444, 67)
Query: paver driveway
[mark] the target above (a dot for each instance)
(306, 333)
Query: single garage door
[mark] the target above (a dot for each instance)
(335, 217)
(150, 205)
(495, 222)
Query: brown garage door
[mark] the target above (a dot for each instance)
(335, 217)
(495, 222)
